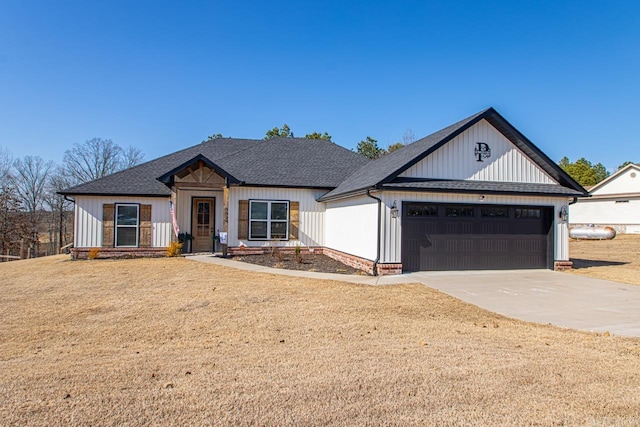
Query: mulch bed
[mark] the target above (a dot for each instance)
(304, 262)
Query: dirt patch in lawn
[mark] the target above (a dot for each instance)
(305, 262)
(172, 342)
(617, 259)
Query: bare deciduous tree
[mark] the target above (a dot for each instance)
(97, 158)
(408, 136)
(29, 180)
(9, 205)
(131, 157)
(60, 208)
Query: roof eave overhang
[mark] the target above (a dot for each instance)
(477, 191)
(630, 196)
(302, 187)
(346, 195)
(75, 194)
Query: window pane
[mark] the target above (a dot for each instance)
(278, 230)
(258, 230)
(127, 215)
(126, 236)
(278, 211)
(259, 210)
(422, 210)
(495, 212)
(458, 211)
(203, 207)
(202, 231)
(527, 213)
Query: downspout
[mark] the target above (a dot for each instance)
(375, 263)
(61, 223)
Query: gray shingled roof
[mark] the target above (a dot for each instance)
(287, 162)
(385, 169)
(468, 186)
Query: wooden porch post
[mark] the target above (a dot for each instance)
(225, 215)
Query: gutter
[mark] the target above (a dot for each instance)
(375, 263)
(346, 195)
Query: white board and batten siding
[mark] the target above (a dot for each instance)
(392, 227)
(88, 219)
(311, 227)
(456, 160)
(352, 226)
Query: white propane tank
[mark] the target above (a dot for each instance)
(591, 232)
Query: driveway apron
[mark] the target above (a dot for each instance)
(544, 296)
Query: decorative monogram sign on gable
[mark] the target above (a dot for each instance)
(482, 151)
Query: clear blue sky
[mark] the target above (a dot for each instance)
(163, 75)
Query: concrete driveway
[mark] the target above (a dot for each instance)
(541, 296)
(545, 296)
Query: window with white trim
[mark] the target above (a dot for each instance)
(268, 220)
(127, 225)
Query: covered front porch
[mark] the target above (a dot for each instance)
(200, 195)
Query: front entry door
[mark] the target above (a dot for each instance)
(202, 224)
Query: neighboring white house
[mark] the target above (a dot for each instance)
(475, 195)
(614, 202)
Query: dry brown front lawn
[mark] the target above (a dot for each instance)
(171, 341)
(617, 259)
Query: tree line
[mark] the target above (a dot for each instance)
(31, 208)
(367, 147)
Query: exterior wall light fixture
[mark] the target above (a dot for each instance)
(394, 210)
(564, 213)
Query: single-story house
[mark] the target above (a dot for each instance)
(475, 195)
(614, 202)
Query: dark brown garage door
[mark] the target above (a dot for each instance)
(476, 237)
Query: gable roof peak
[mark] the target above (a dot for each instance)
(388, 167)
(614, 175)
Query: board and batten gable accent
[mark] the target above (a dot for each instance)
(392, 227)
(203, 175)
(89, 223)
(457, 159)
(311, 221)
(352, 226)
